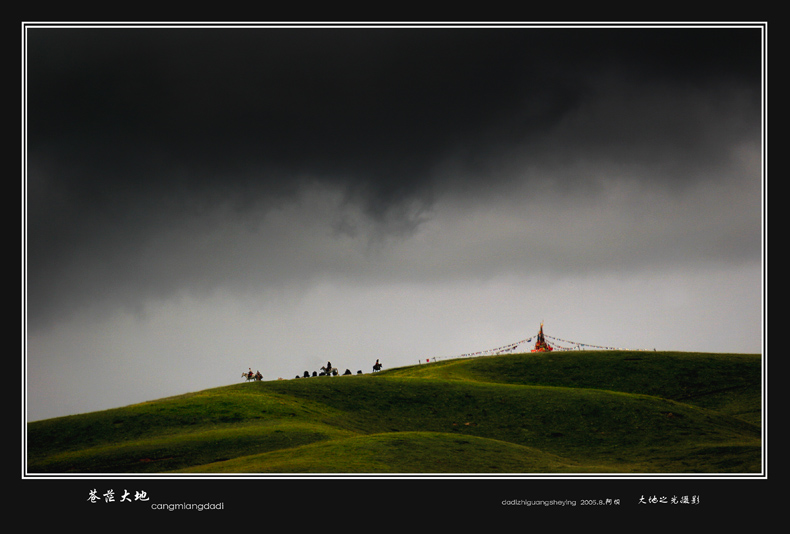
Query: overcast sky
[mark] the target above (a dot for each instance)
(200, 201)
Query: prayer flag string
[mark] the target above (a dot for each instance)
(510, 347)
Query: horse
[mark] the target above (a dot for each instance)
(377, 367)
(249, 376)
(330, 371)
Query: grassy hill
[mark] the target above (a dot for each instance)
(562, 412)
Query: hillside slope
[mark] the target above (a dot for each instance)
(565, 412)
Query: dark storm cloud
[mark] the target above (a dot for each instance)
(132, 130)
(372, 105)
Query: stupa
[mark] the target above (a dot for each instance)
(540, 344)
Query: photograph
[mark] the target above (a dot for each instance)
(521, 266)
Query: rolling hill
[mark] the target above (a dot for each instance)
(558, 412)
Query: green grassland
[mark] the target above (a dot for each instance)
(561, 412)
